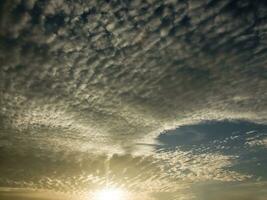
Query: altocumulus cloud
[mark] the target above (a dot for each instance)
(79, 75)
(79, 173)
(110, 71)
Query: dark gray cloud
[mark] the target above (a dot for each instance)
(109, 71)
(108, 77)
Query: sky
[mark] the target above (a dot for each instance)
(161, 99)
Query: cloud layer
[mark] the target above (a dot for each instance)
(104, 72)
(102, 80)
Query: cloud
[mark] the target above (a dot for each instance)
(168, 172)
(257, 142)
(28, 194)
(97, 77)
(249, 190)
(111, 72)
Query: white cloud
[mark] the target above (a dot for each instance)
(257, 142)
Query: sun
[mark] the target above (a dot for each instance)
(110, 194)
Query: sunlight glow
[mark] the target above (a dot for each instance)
(110, 194)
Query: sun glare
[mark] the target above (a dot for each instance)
(110, 194)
